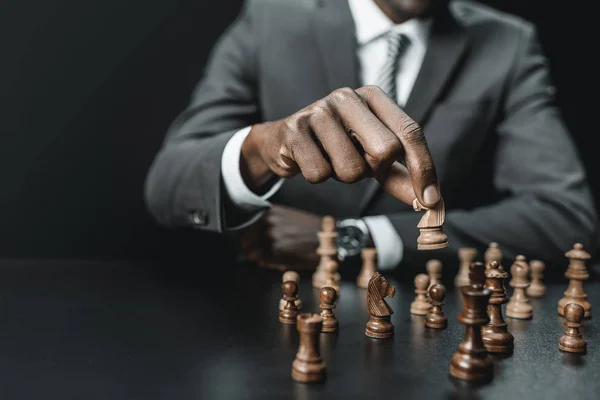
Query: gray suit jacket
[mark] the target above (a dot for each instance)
(508, 169)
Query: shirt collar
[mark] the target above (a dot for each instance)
(371, 23)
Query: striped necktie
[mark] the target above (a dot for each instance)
(397, 44)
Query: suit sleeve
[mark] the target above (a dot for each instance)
(548, 204)
(184, 186)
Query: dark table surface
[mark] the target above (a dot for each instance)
(121, 330)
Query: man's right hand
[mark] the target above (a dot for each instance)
(349, 135)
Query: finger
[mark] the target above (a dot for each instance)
(416, 152)
(396, 181)
(381, 146)
(348, 164)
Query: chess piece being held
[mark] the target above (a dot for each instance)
(290, 294)
(379, 325)
(436, 318)
(309, 366)
(368, 268)
(431, 225)
(290, 276)
(328, 297)
(572, 340)
(576, 273)
(421, 305)
(496, 337)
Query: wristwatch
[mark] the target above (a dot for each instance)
(352, 236)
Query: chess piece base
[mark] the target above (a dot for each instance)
(420, 308)
(587, 306)
(379, 327)
(437, 322)
(536, 291)
(306, 372)
(523, 311)
(432, 239)
(329, 325)
(571, 349)
(288, 317)
(472, 369)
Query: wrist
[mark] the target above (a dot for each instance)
(255, 171)
(353, 236)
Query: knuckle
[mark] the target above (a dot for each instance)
(412, 132)
(321, 111)
(386, 151)
(342, 95)
(371, 91)
(316, 176)
(352, 174)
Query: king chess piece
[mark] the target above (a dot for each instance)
(431, 225)
(379, 325)
(309, 366)
(471, 362)
(327, 252)
(496, 337)
(576, 274)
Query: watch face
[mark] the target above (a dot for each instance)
(351, 239)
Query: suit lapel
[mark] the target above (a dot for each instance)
(446, 48)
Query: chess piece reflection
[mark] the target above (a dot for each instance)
(368, 268)
(379, 325)
(290, 276)
(496, 337)
(290, 294)
(434, 270)
(572, 340)
(466, 256)
(309, 366)
(576, 273)
(327, 251)
(431, 226)
(436, 318)
(537, 287)
(471, 362)
(421, 305)
(328, 298)
(518, 306)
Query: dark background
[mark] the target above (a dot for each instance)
(89, 87)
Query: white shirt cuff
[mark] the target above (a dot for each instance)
(388, 243)
(238, 192)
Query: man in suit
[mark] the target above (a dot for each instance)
(306, 106)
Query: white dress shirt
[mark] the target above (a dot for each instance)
(372, 26)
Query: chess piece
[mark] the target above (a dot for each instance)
(576, 273)
(432, 235)
(471, 362)
(368, 268)
(436, 318)
(466, 256)
(518, 306)
(537, 287)
(496, 337)
(327, 250)
(290, 276)
(290, 294)
(421, 304)
(379, 325)
(328, 297)
(331, 275)
(493, 253)
(309, 366)
(434, 270)
(572, 340)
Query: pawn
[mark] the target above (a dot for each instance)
(290, 294)
(368, 268)
(518, 306)
(421, 305)
(537, 287)
(436, 318)
(328, 297)
(466, 255)
(290, 276)
(332, 277)
(572, 341)
(434, 270)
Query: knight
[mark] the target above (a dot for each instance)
(432, 235)
(379, 325)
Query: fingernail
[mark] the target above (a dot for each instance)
(431, 194)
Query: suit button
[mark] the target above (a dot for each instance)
(199, 218)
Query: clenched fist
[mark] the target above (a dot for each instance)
(349, 135)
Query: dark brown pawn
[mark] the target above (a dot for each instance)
(496, 337)
(572, 341)
(436, 318)
(328, 298)
(309, 367)
(471, 362)
(290, 311)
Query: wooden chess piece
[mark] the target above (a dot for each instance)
(434, 270)
(471, 362)
(466, 256)
(431, 225)
(518, 306)
(537, 287)
(436, 318)
(328, 297)
(576, 273)
(368, 268)
(572, 340)
(496, 337)
(327, 251)
(290, 294)
(290, 276)
(379, 325)
(309, 366)
(331, 275)
(493, 253)
(421, 304)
